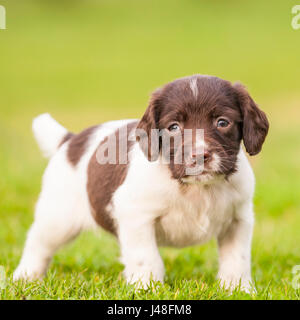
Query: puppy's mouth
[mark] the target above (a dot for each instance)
(202, 172)
(199, 171)
(198, 175)
(203, 167)
(205, 177)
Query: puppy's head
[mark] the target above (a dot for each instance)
(199, 122)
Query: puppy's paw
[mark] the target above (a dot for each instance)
(142, 275)
(28, 274)
(142, 281)
(231, 282)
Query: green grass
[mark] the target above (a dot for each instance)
(92, 61)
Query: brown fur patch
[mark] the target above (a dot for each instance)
(66, 138)
(77, 145)
(103, 181)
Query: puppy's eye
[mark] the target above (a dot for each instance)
(174, 127)
(222, 123)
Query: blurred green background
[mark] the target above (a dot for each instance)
(89, 61)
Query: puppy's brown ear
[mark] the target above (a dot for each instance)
(255, 122)
(147, 132)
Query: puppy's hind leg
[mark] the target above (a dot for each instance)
(49, 231)
(62, 211)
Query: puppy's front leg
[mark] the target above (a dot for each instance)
(139, 251)
(235, 250)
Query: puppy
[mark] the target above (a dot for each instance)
(125, 178)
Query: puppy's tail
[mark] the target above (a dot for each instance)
(49, 134)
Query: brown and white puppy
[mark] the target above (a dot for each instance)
(140, 180)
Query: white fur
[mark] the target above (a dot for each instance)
(48, 133)
(150, 209)
(194, 87)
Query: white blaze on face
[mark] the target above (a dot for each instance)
(194, 87)
(212, 166)
(198, 148)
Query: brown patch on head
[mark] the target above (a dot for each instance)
(204, 102)
(104, 179)
(78, 144)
